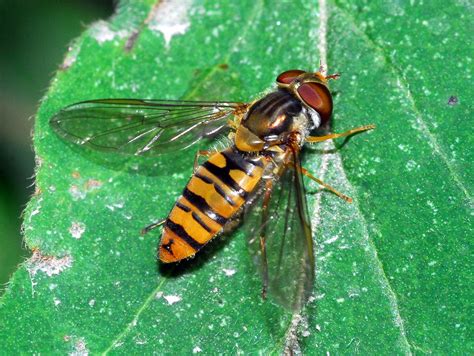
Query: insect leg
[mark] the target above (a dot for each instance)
(263, 248)
(322, 71)
(152, 226)
(313, 139)
(328, 187)
(332, 76)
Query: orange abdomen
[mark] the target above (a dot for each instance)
(212, 197)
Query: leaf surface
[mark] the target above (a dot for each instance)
(392, 268)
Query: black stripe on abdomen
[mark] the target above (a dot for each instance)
(194, 215)
(179, 231)
(217, 187)
(183, 207)
(201, 204)
(235, 160)
(224, 175)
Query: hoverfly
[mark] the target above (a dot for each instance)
(257, 179)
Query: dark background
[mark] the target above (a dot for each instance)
(34, 36)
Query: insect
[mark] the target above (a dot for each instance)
(258, 179)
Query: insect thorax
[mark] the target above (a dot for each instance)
(272, 119)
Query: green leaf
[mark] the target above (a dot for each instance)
(392, 268)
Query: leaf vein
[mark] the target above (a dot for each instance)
(404, 86)
(148, 300)
(386, 286)
(371, 250)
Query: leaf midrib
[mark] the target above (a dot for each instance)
(391, 295)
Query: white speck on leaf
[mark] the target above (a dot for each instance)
(331, 240)
(102, 32)
(432, 206)
(50, 265)
(229, 272)
(177, 176)
(71, 56)
(118, 205)
(403, 148)
(77, 229)
(172, 299)
(91, 302)
(196, 350)
(79, 192)
(139, 341)
(319, 296)
(37, 209)
(76, 193)
(80, 348)
(411, 165)
(171, 18)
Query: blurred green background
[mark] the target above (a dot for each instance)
(34, 36)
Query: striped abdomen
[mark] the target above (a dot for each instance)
(212, 197)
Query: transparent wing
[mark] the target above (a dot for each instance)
(280, 217)
(135, 126)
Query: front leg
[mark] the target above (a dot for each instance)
(314, 139)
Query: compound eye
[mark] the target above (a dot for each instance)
(288, 76)
(318, 97)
